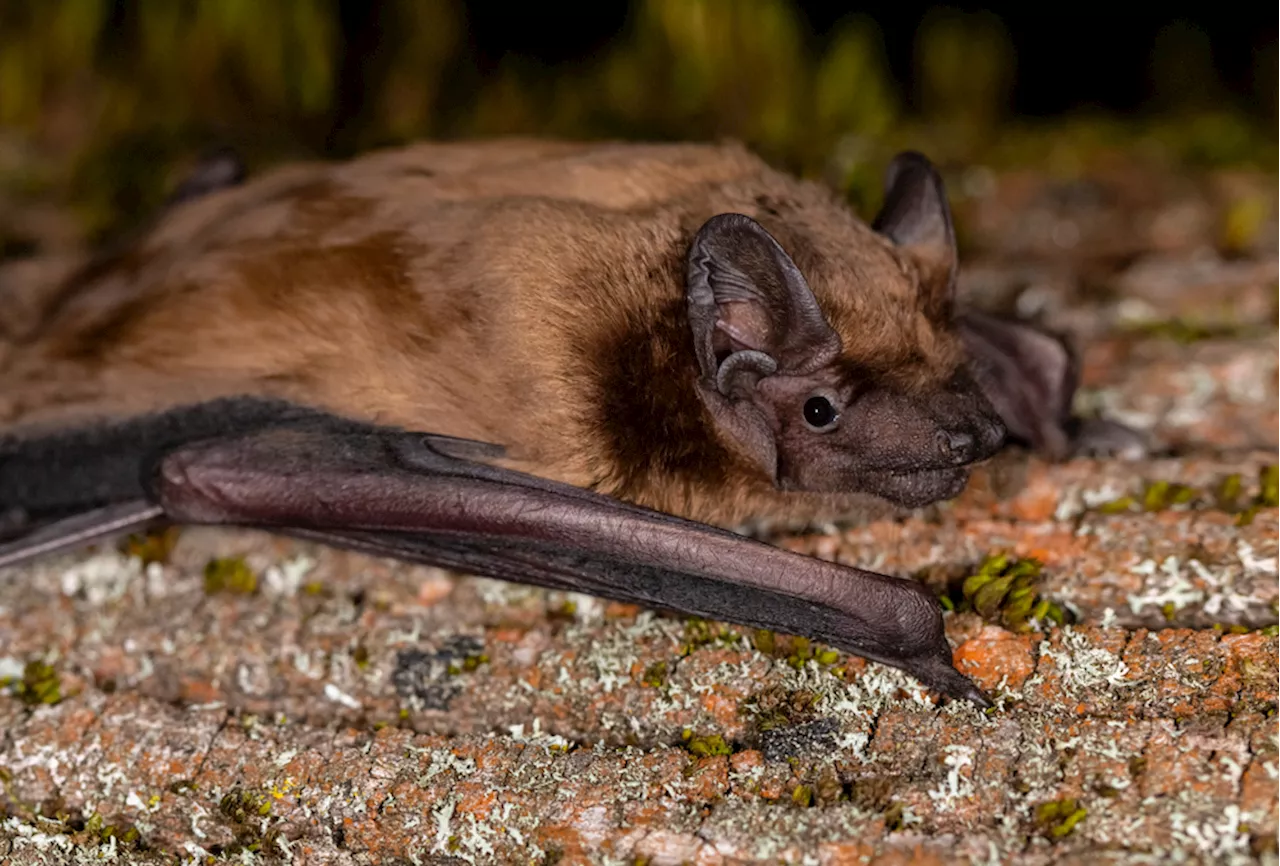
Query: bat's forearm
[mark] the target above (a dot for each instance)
(394, 494)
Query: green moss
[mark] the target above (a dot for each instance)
(230, 575)
(802, 796)
(100, 832)
(1057, 818)
(1179, 330)
(360, 655)
(1241, 223)
(1069, 823)
(797, 651)
(705, 747)
(566, 610)
(154, 546)
(1245, 517)
(1229, 491)
(1269, 486)
(801, 652)
(468, 663)
(775, 708)
(1004, 590)
(1267, 496)
(1161, 495)
(699, 632)
(1156, 496)
(893, 817)
(655, 675)
(764, 640)
(987, 594)
(241, 805)
(1117, 506)
(39, 685)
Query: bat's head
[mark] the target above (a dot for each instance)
(862, 386)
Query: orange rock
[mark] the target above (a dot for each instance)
(995, 654)
(709, 778)
(620, 610)
(845, 853)
(722, 708)
(475, 800)
(917, 856)
(746, 761)
(199, 692)
(1036, 502)
(1258, 786)
(434, 589)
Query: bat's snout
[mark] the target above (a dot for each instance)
(979, 439)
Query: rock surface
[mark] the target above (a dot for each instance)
(324, 707)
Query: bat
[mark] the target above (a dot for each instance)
(563, 364)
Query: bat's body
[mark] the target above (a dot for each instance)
(592, 310)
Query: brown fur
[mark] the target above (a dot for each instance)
(519, 292)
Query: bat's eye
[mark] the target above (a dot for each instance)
(819, 413)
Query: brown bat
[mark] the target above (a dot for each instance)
(537, 361)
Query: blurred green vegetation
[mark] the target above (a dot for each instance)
(102, 104)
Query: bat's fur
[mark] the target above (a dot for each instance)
(530, 294)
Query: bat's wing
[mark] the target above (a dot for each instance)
(433, 500)
(76, 530)
(1031, 377)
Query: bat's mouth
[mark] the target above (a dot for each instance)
(918, 488)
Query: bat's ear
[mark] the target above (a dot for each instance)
(917, 218)
(1031, 377)
(1028, 375)
(752, 314)
(750, 308)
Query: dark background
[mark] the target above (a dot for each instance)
(103, 103)
(1069, 56)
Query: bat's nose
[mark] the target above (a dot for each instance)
(966, 445)
(958, 446)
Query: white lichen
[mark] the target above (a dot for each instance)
(1224, 839)
(284, 578)
(102, 577)
(956, 786)
(1174, 589)
(1084, 668)
(538, 737)
(338, 696)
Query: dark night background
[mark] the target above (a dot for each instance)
(1068, 57)
(104, 102)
